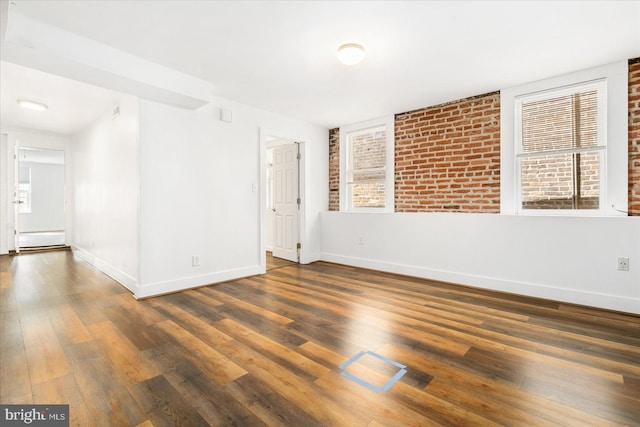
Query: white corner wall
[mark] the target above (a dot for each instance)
(559, 258)
(197, 195)
(106, 188)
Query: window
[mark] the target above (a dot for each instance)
(367, 166)
(564, 144)
(561, 147)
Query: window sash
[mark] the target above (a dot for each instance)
(372, 201)
(565, 182)
(366, 176)
(597, 140)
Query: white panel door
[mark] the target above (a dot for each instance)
(285, 202)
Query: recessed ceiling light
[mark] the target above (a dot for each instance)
(32, 105)
(350, 53)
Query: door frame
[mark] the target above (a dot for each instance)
(17, 164)
(292, 146)
(4, 193)
(266, 135)
(40, 140)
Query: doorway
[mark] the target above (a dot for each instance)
(283, 202)
(39, 199)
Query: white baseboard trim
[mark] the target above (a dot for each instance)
(124, 279)
(309, 258)
(160, 288)
(573, 296)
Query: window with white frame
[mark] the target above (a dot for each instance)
(564, 144)
(561, 148)
(367, 166)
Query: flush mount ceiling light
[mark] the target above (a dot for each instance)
(32, 105)
(350, 53)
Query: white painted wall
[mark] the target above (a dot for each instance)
(35, 139)
(4, 195)
(106, 188)
(559, 258)
(47, 198)
(196, 192)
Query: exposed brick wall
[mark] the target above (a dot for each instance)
(447, 157)
(634, 136)
(334, 169)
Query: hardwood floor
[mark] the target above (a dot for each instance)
(273, 262)
(266, 350)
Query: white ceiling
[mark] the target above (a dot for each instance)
(72, 105)
(280, 56)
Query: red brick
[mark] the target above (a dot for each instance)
(634, 137)
(453, 134)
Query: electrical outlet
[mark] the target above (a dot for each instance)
(623, 264)
(195, 260)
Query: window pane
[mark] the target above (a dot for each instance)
(367, 168)
(589, 180)
(368, 194)
(563, 181)
(368, 150)
(563, 122)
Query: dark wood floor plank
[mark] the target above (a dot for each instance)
(193, 324)
(142, 309)
(107, 400)
(166, 406)
(265, 327)
(364, 319)
(205, 309)
(123, 355)
(129, 324)
(609, 353)
(45, 356)
(15, 382)
(283, 356)
(64, 390)
(472, 335)
(213, 402)
(300, 392)
(215, 365)
(229, 300)
(380, 406)
(266, 350)
(464, 381)
(271, 408)
(67, 324)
